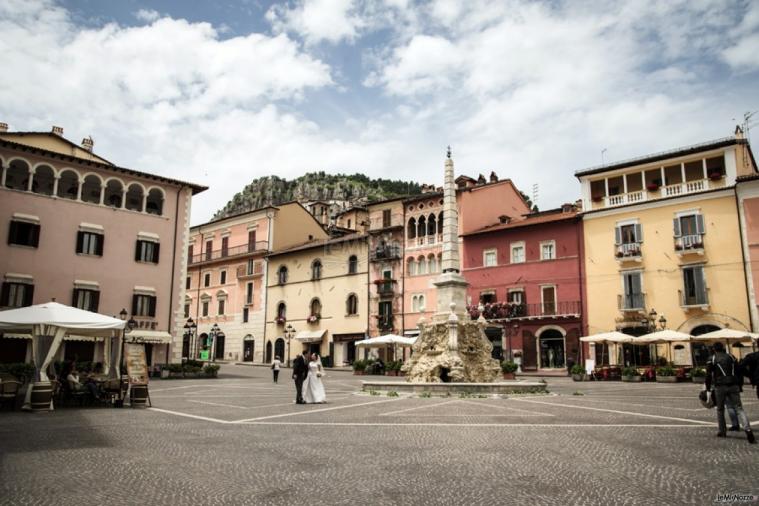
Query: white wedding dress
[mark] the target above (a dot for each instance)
(313, 389)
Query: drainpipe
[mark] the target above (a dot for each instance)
(747, 280)
(579, 236)
(265, 286)
(173, 269)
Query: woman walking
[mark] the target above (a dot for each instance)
(275, 365)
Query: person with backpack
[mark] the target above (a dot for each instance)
(724, 373)
(750, 369)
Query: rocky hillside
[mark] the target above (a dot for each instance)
(355, 189)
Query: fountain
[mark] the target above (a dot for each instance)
(452, 353)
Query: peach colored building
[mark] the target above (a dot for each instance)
(90, 234)
(747, 192)
(227, 278)
(481, 203)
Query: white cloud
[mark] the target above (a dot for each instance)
(147, 15)
(317, 20)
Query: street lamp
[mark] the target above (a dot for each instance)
(289, 334)
(214, 331)
(189, 331)
(130, 325)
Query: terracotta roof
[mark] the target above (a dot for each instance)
(52, 154)
(236, 215)
(55, 136)
(529, 220)
(318, 243)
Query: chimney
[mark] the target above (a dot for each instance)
(481, 179)
(567, 208)
(3, 127)
(739, 132)
(88, 144)
(58, 130)
(493, 177)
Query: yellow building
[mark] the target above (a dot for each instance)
(662, 239)
(317, 299)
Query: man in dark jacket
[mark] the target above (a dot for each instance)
(723, 372)
(300, 371)
(750, 366)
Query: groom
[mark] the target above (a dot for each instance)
(300, 371)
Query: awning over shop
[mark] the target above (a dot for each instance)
(148, 336)
(305, 336)
(67, 337)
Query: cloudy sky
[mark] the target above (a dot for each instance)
(227, 91)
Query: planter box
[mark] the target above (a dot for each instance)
(666, 379)
(509, 376)
(578, 377)
(164, 373)
(698, 379)
(631, 379)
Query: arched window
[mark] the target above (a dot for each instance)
(431, 264)
(421, 303)
(91, 189)
(316, 269)
(421, 227)
(282, 275)
(315, 307)
(134, 197)
(279, 348)
(114, 192)
(44, 180)
(154, 202)
(353, 264)
(68, 185)
(351, 305)
(17, 175)
(411, 267)
(440, 223)
(411, 228)
(282, 310)
(431, 225)
(417, 303)
(422, 267)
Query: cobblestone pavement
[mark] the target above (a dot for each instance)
(241, 440)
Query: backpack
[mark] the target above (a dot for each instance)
(724, 369)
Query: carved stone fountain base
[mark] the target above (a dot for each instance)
(497, 388)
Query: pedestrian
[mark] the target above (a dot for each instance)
(724, 373)
(275, 365)
(750, 369)
(300, 371)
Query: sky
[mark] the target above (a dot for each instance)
(219, 93)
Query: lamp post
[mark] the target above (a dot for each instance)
(130, 325)
(214, 332)
(289, 334)
(189, 329)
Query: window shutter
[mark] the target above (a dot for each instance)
(676, 226)
(626, 279)
(100, 244)
(700, 224)
(35, 236)
(79, 242)
(699, 284)
(12, 231)
(635, 278)
(28, 295)
(134, 304)
(5, 294)
(617, 236)
(95, 301)
(638, 232)
(75, 297)
(152, 306)
(156, 251)
(137, 249)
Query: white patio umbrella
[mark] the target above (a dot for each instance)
(385, 341)
(607, 337)
(48, 323)
(726, 334)
(666, 336)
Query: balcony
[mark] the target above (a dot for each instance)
(628, 252)
(425, 240)
(689, 244)
(385, 323)
(601, 200)
(385, 253)
(258, 270)
(694, 299)
(385, 287)
(235, 251)
(631, 302)
(520, 311)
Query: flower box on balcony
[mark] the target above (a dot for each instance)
(280, 320)
(715, 176)
(313, 318)
(597, 198)
(652, 187)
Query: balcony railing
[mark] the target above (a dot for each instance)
(208, 256)
(386, 253)
(631, 302)
(258, 270)
(425, 240)
(655, 192)
(691, 300)
(689, 243)
(628, 250)
(385, 287)
(514, 310)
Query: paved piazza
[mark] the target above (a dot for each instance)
(241, 440)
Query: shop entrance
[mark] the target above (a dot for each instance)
(551, 345)
(248, 348)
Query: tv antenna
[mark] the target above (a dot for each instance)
(602, 156)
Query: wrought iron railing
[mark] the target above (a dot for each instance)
(385, 253)
(631, 301)
(514, 310)
(216, 254)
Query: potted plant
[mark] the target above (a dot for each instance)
(715, 176)
(652, 187)
(314, 318)
(508, 368)
(359, 366)
(211, 370)
(280, 320)
(698, 375)
(577, 372)
(630, 374)
(666, 374)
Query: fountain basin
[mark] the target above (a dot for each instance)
(455, 389)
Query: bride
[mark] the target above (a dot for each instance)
(313, 389)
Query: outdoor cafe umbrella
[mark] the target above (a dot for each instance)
(665, 336)
(48, 323)
(385, 341)
(728, 335)
(607, 337)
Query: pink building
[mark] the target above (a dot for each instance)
(480, 204)
(747, 193)
(90, 234)
(527, 274)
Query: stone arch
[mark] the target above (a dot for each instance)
(281, 309)
(411, 228)
(551, 342)
(279, 348)
(68, 184)
(421, 227)
(421, 267)
(43, 181)
(154, 201)
(431, 224)
(315, 307)
(411, 266)
(17, 174)
(92, 188)
(114, 192)
(134, 197)
(431, 263)
(551, 327)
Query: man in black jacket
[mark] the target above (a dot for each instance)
(723, 372)
(300, 371)
(750, 366)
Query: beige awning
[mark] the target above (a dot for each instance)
(305, 336)
(67, 337)
(148, 336)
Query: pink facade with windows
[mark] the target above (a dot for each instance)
(527, 275)
(87, 233)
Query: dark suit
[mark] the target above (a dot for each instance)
(300, 371)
